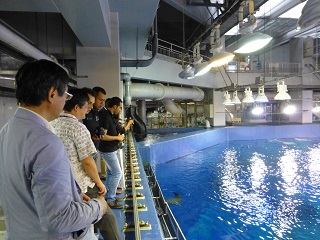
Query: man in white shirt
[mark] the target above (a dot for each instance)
(80, 149)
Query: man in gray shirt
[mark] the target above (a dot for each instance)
(39, 195)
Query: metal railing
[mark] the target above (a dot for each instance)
(132, 167)
(175, 53)
(172, 51)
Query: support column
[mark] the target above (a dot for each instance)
(219, 112)
(100, 66)
(303, 102)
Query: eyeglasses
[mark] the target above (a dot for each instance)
(68, 96)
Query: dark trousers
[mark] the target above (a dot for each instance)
(108, 223)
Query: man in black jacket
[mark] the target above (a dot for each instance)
(108, 147)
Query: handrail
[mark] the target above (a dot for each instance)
(132, 166)
(172, 50)
(133, 182)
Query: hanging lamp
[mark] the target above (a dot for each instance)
(282, 91)
(250, 42)
(219, 58)
(199, 66)
(261, 95)
(248, 96)
(227, 100)
(235, 99)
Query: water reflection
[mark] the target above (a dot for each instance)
(249, 190)
(273, 205)
(288, 171)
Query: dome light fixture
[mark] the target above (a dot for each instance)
(309, 15)
(200, 67)
(227, 100)
(219, 58)
(282, 91)
(235, 99)
(187, 72)
(248, 96)
(250, 42)
(261, 95)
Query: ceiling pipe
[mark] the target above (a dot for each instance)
(145, 63)
(158, 91)
(15, 41)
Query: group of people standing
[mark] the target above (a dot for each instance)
(49, 182)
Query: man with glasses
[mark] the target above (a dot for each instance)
(39, 195)
(80, 149)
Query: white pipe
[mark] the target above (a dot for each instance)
(142, 91)
(12, 39)
(173, 108)
(127, 88)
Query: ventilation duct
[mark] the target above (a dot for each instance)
(15, 41)
(145, 63)
(158, 91)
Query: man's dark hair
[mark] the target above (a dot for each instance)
(96, 90)
(106, 103)
(89, 91)
(35, 79)
(79, 98)
(114, 101)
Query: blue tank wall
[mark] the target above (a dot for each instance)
(172, 147)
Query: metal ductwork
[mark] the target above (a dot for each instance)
(158, 91)
(145, 63)
(13, 40)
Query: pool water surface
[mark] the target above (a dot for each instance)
(265, 189)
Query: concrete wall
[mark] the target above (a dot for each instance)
(99, 66)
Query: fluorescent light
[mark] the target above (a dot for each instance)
(220, 58)
(252, 42)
